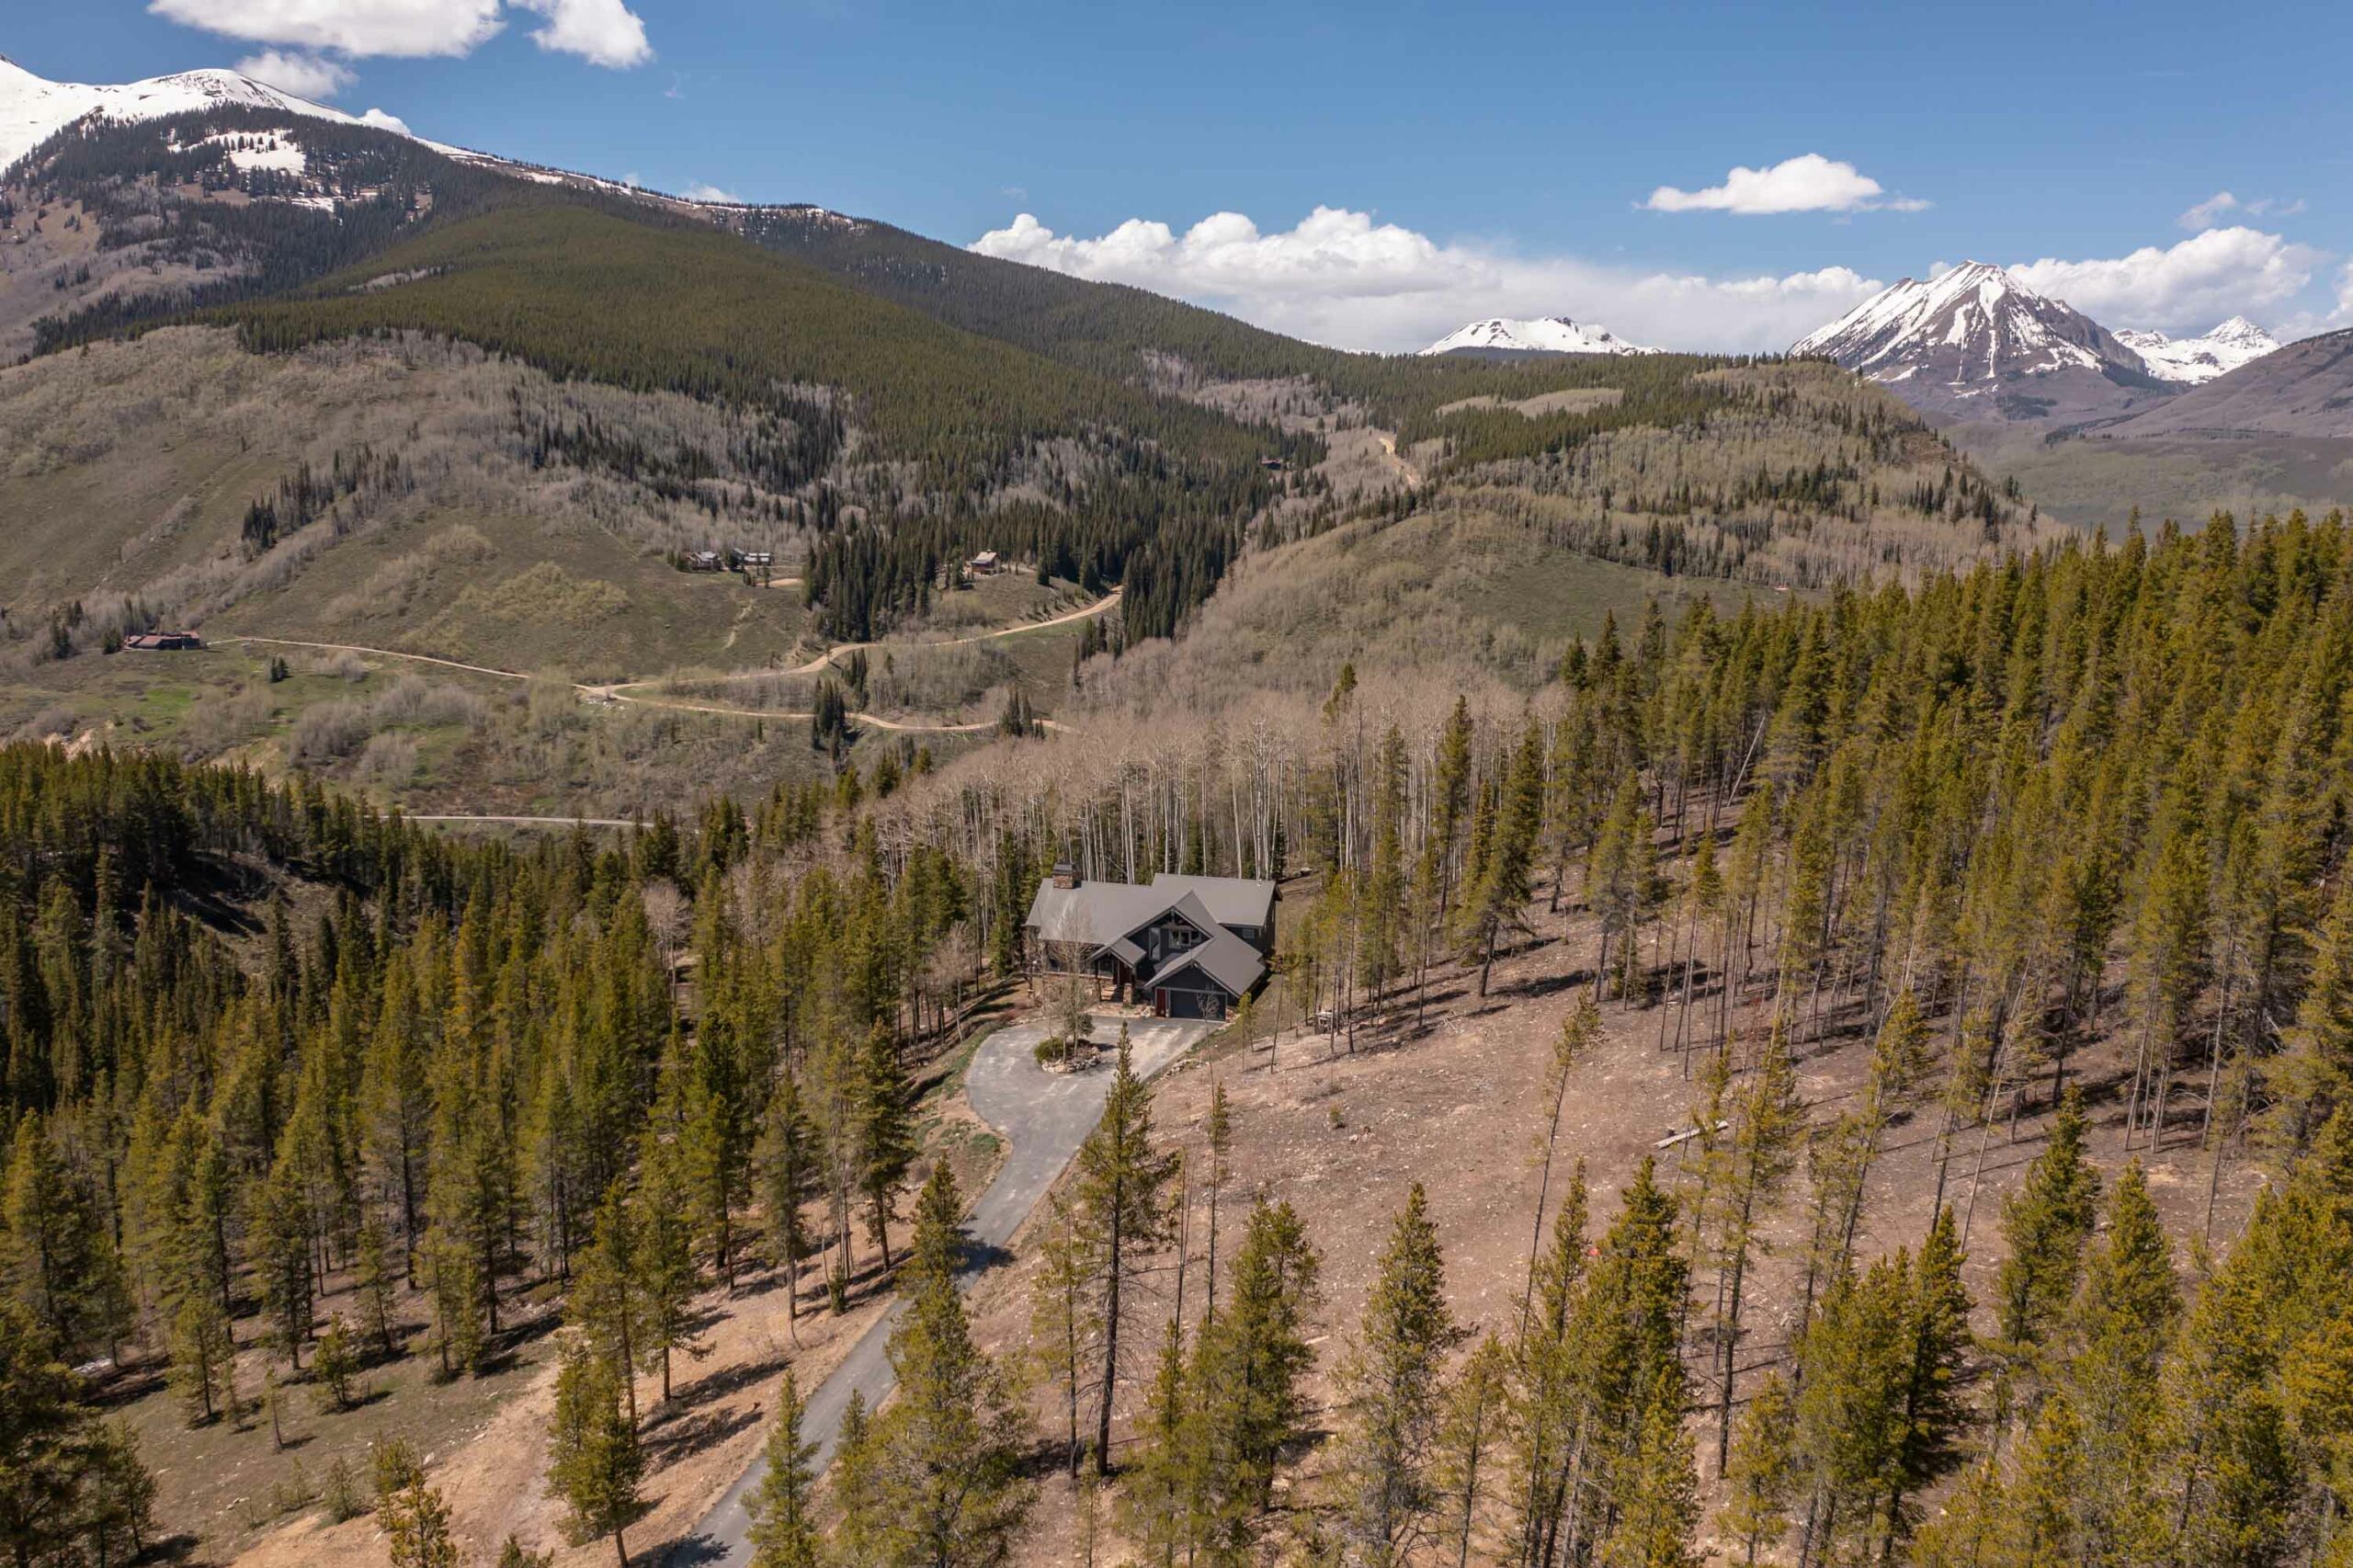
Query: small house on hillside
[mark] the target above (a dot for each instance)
(705, 561)
(1193, 947)
(985, 564)
(162, 641)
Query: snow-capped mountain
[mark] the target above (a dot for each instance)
(2192, 362)
(1974, 343)
(1552, 335)
(32, 110)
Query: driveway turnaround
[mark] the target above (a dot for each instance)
(1045, 1116)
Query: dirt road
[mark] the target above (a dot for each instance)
(624, 691)
(1045, 1116)
(1084, 612)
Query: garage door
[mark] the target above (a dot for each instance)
(1196, 1004)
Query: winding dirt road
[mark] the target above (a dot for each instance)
(622, 691)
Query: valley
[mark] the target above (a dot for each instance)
(1793, 1000)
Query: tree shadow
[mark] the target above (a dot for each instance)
(687, 1551)
(716, 1385)
(683, 1437)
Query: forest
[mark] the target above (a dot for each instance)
(275, 1062)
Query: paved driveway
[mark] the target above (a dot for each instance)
(1045, 1116)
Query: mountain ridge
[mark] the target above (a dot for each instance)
(1544, 334)
(1974, 342)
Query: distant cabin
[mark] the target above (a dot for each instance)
(985, 563)
(755, 560)
(162, 641)
(1273, 465)
(705, 561)
(1190, 947)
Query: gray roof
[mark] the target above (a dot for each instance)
(1231, 901)
(1107, 915)
(1224, 958)
(1092, 912)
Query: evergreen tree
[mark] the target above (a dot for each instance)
(788, 1166)
(2046, 1222)
(1120, 1196)
(43, 1435)
(784, 1531)
(1761, 1478)
(1391, 1390)
(594, 1461)
(946, 1485)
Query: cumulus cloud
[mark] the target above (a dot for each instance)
(702, 190)
(2209, 213)
(304, 75)
(603, 31)
(349, 27)
(1807, 182)
(2188, 286)
(382, 121)
(1340, 277)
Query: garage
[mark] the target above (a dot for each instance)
(1190, 990)
(1169, 1003)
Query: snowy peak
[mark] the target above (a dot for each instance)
(32, 110)
(1551, 334)
(2193, 361)
(1976, 341)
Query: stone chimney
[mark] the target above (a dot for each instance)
(1065, 875)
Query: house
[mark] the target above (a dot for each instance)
(755, 560)
(1193, 946)
(162, 641)
(705, 561)
(984, 565)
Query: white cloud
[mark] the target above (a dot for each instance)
(304, 75)
(702, 190)
(1341, 278)
(2209, 213)
(603, 32)
(2190, 285)
(349, 27)
(384, 121)
(1808, 183)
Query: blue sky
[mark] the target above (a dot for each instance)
(1471, 159)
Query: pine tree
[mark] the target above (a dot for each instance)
(335, 1366)
(203, 1354)
(886, 1147)
(54, 1253)
(788, 1166)
(372, 1282)
(279, 1249)
(594, 1462)
(1390, 1387)
(1936, 1335)
(784, 1530)
(41, 1440)
(1121, 1197)
(1471, 1432)
(661, 1225)
(416, 1525)
(1659, 1504)
(947, 1484)
(1768, 1118)
(1248, 1371)
(1761, 1477)
(2125, 1319)
(1503, 890)
(117, 1514)
(1063, 1324)
(2046, 1222)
